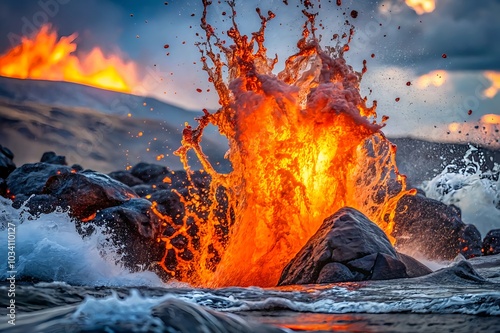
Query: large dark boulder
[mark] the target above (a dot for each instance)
(87, 192)
(30, 178)
(126, 178)
(52, 158)
(433, 228)
(347, 247)
(491, 243)
(470, 241)
(132, 229)
(169, 203)
(150, 173)
(6, 162)
(37, 204)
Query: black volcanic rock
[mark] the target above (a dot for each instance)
(132, 229)
(170, 204)
(470, 241)
(3, 187)
(347, 247)
(414, 268)
(39, 204)
(6, 163)
(491, 243)
(30, 178)
(87, 192)
(454, 274)
(53, 158)
(126, 178)
(433, 228)
(150, 173)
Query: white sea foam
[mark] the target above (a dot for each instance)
(136, 310)
(475, 191)
(49, 248)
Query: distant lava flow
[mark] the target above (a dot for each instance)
(44, 57)
(302, 143)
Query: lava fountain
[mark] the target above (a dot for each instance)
(45, 57)
(302, 143)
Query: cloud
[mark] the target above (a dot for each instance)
(492, 90)
(464, 31)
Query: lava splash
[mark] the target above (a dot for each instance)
(45, 57)
(302, 144)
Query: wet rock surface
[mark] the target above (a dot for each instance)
(121, 206)
(126, 178)
(434, 229)
(87, 192)
(348, 247)
(30, 178)
(491, 243)
(53, 158)
(133, 229)
(149, 173)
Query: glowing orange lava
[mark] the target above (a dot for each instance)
(302, 143)
(44, 57)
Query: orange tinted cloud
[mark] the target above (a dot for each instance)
(421, 6)
(494, 77)
(434, 78)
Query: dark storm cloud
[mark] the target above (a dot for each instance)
(97, 22)
(466, 31)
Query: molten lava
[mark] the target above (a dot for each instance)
(44, 57)
(302, 143)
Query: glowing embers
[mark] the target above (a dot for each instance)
(302, 144)
(44, 57)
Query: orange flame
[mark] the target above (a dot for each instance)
(44, 57)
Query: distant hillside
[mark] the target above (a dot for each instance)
(95, 140)
(66, 94)
(423, 160)
(92, 127)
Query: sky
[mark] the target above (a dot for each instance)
(448, 49)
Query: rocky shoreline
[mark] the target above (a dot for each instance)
(129, 206)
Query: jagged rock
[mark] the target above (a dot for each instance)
(132, 229)
(432, 228)
(87, 192)
(414, 268)
(170, 204)
(150, 173)
(387, 267)
(126, 178)
(347, 241)
(491, 243)
(456, 273)
(30, 178)
(470, 241)
(6, 163)
(41, 204)
(143, 190)
(335, 272)
(53, 158)
(3, 187)
(180, 316)
(77, 167)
